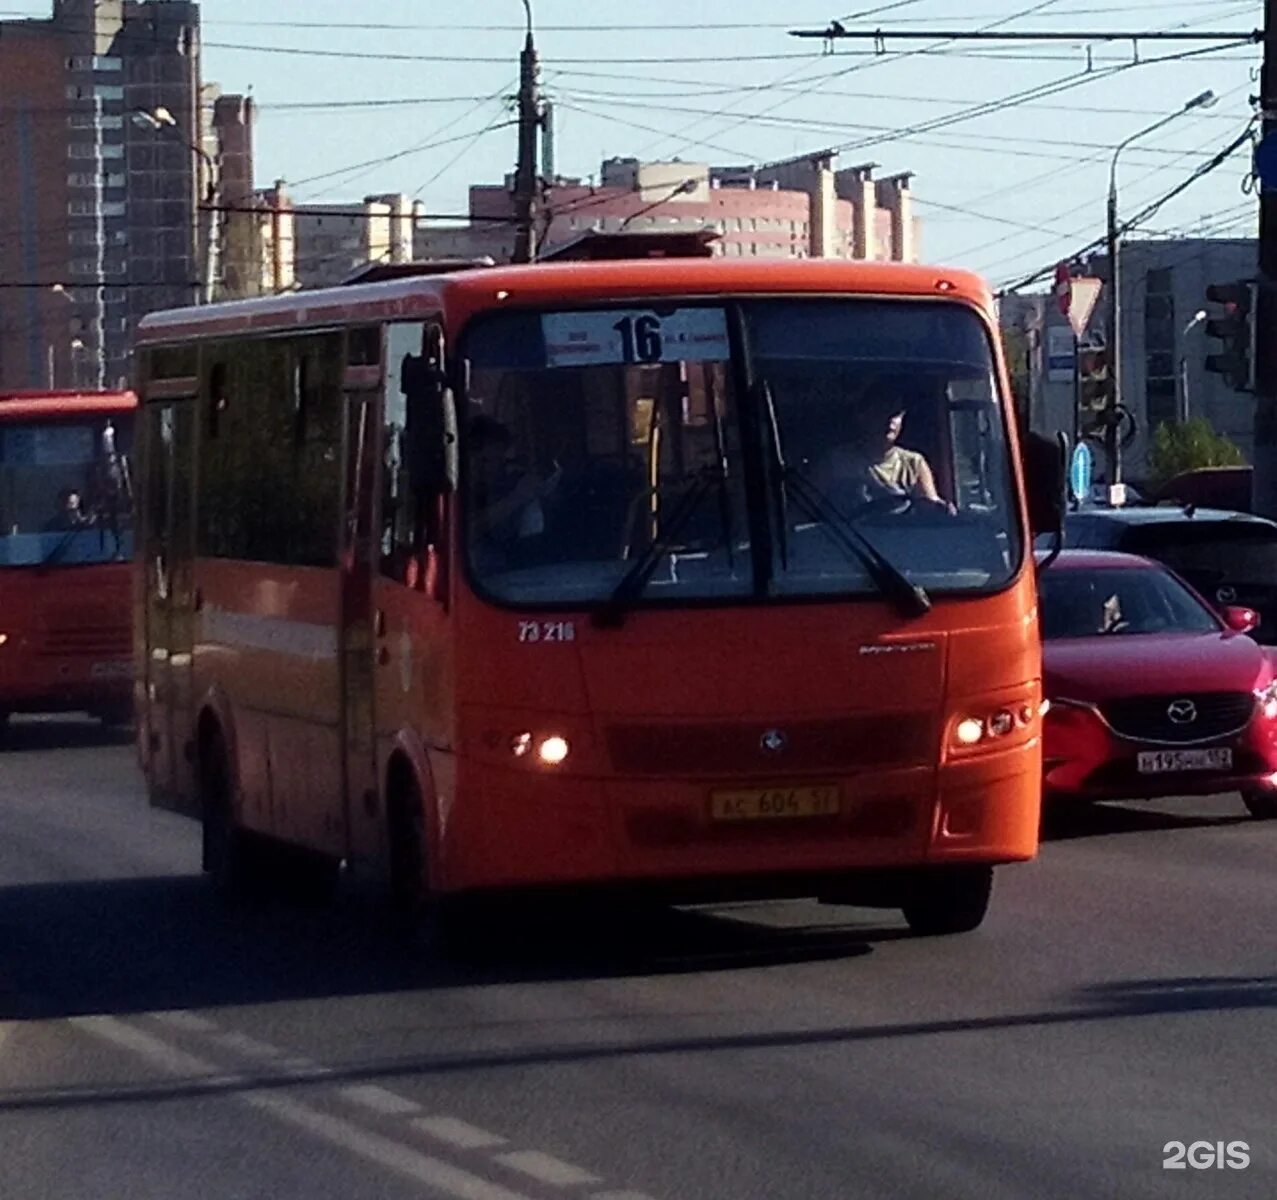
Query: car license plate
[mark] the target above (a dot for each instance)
(1156, 762)
(775, 803)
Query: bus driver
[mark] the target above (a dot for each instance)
(873, 467)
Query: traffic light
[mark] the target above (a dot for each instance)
(1093, 373)
(1235, 328)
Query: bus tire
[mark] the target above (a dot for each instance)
(406, 819)
(449, 926)
(230, 858)
(947, 900)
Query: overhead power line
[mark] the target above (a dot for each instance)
(879, 37)
(1212, 164)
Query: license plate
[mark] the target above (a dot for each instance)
(1155, 762)
(775, 803)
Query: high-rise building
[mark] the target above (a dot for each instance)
(106, 155)
(800, 208)
(335, 240)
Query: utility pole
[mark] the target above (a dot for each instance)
(1264, 496)
(526, 184)
(1113, 346)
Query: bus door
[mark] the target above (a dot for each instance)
(361, 388)
(170, 600)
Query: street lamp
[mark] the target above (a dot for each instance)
(161, 120)
(1113, 443)
(1198, 318)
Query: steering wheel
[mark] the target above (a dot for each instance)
(891, 506)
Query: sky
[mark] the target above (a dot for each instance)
(1009, 143)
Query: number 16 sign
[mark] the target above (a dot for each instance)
(624, 336)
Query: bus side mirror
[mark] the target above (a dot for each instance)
(1044, 476)
(431, 424)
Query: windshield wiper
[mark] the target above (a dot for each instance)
(777, 469)
(63, 542)
(611, 614)
(910, 598)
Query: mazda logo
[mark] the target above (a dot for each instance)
(773, 741)
(1182, 712)
(1226, 595)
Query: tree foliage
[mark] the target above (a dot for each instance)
(1187, 446)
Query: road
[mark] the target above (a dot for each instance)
(1121, 995)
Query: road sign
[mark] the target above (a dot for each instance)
(1081, 471)
(1059, 354)
(1266, 161)
(1085, 295)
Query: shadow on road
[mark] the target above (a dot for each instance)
(1063, 822)
(42, 734)
(122, 946)
(1108, 1002)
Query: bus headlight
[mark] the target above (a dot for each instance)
(553, 750)
(968, 732)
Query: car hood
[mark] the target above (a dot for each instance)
(1099, 668)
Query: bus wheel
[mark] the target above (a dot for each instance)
(1261, 804)
(946, 900)
(229, 856)
(409, 891)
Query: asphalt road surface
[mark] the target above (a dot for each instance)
(1121, 996)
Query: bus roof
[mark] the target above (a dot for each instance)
(464, 293)
(22, 406)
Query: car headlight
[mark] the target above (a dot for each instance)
(1267, 698)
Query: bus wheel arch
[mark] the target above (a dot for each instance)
(226, 855)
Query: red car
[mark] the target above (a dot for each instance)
(1152, 692)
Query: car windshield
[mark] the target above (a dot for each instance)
(1208, 553)
(65, 492)
(778, 448)
(1108, 601)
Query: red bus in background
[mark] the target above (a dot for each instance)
(530, 578)
(66, 541)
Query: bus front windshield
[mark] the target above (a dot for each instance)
(758, 449)
(65, 492)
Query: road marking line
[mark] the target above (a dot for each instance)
(458, 1133)
(380, 1100)
(180, 1019)
(620, 1196)
(545, 1168)
(394, 1156)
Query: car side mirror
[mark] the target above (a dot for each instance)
(1044, 475)
(431, 425)
(1240, 619)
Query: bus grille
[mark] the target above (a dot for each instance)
(1149, 719)
(87, 643)
(756, 747)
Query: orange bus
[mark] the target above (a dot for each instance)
(581, 575)
(66, 541)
